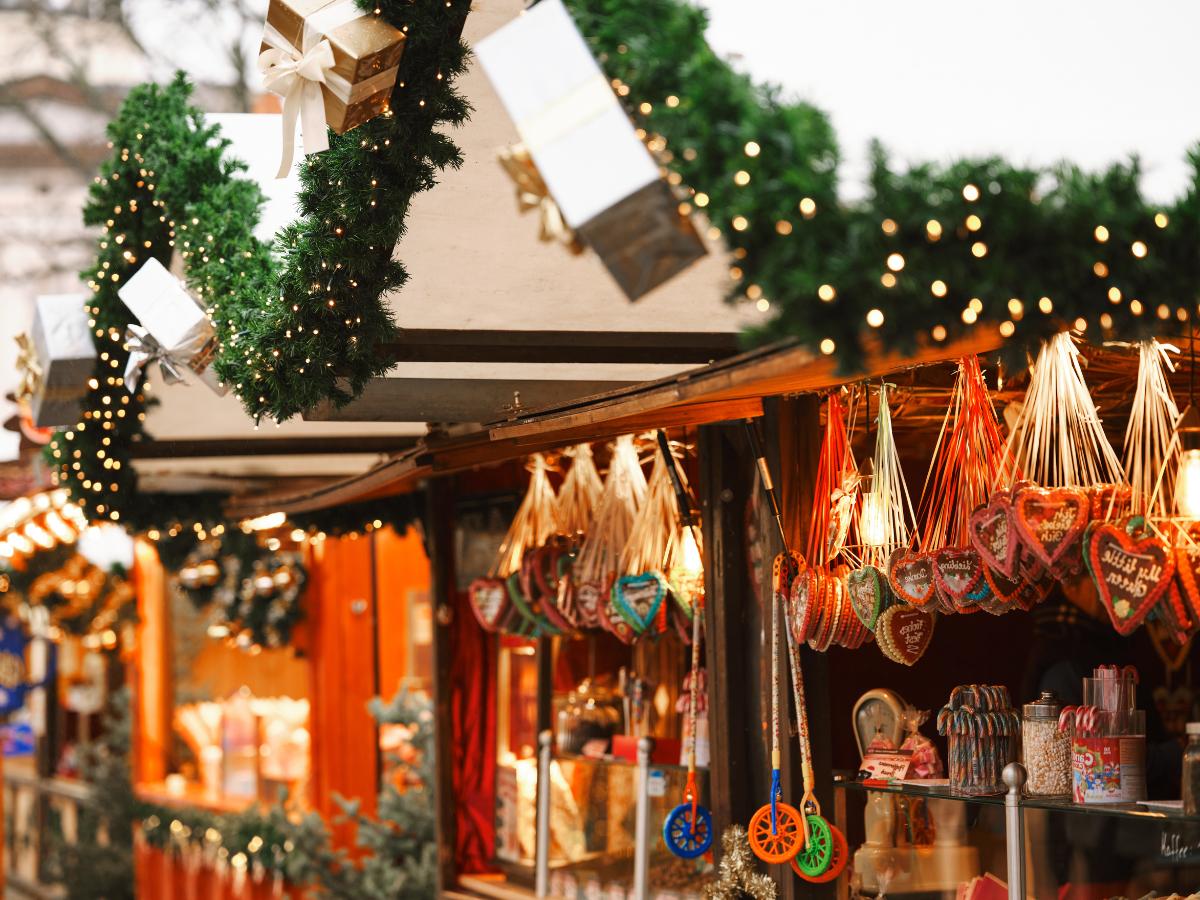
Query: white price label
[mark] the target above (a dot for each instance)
(657, 784)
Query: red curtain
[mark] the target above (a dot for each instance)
(472, 662)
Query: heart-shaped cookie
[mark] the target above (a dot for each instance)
(1050, 521)
(525, 622)
(959, 572)
(589, 595)
(904, 633)
(639, 598)
(911, 577)
(1131, 573)
(1187, 574)
(1170, 648)
(993, 535)
(868, 594)
(804, 603)
(489, 601)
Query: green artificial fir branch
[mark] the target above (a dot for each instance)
(313, 333)
(909, 264)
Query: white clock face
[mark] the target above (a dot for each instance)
(875, 717)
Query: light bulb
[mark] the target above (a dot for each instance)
(872, 524)
(1187, 485)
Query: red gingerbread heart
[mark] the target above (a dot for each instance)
(911, 576)
(1187, 574)
(1050, 521)
(959, 573)
(489, 601)
(1131, 574)
(993, 535)
(904, 633)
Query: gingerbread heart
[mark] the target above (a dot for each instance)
(804, 603)
(959, 572)
(1050, 521)
(1131, 574)
(868, 594)
(904, 633)
(993, 535)
(1187, 573)
(1172, 650)
(489, 601)
(588, 597)
(639, 598)
(524, 621)
(911, 577)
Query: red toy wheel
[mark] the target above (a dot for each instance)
(782, 844)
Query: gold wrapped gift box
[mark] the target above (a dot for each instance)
(366, 52)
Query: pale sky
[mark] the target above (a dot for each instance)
(1033, 80)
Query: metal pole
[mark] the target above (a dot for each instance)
(1014, 830)
(641, 843)
(542, 861)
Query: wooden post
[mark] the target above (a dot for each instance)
(725, 473)
(439, 537)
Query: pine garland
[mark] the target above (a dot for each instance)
(932, 251)
(289, 343)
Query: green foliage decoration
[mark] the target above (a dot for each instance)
(764, 169)
(313, 332)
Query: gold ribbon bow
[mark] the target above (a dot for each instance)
(30, 369)
(532, 193)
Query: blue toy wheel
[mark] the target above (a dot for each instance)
(685, 838)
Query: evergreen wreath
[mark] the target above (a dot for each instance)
(932, 251)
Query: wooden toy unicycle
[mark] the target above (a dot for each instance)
(777, 830)
(688, 830)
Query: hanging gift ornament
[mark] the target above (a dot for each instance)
(968, 453)
(597, 564)
(1151, 453)
(498, 601)
(1058, 443)
(640, 591)
(578, 498)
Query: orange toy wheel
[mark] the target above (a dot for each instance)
(837, 865)
(784, 842)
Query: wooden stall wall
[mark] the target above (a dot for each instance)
(341, 607)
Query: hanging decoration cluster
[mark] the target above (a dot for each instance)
(930, 252)
(613, 556)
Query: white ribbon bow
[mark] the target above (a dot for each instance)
(297, 77)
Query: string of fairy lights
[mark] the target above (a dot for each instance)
(933, 252)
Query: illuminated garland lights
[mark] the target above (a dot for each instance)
(167, 187)
(931, 252)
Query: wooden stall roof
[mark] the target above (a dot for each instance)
(727, 390)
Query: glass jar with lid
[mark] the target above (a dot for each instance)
(1045, 748)
(1191, 770)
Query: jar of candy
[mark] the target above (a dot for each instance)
(1045, 749)
(984, 731)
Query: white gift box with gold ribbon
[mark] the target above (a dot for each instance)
(606, 184)
(57, 360)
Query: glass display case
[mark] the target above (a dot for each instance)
(911, 840)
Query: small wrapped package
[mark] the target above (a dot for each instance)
(365, 53)
(57, 361)
(605, 182)
(174, 332)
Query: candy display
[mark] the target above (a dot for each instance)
(1045, 748)
(984, 731)
(1108, 750)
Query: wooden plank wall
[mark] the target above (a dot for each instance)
(341, 609)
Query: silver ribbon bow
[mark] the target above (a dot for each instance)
(145, 349)
(297, 77)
